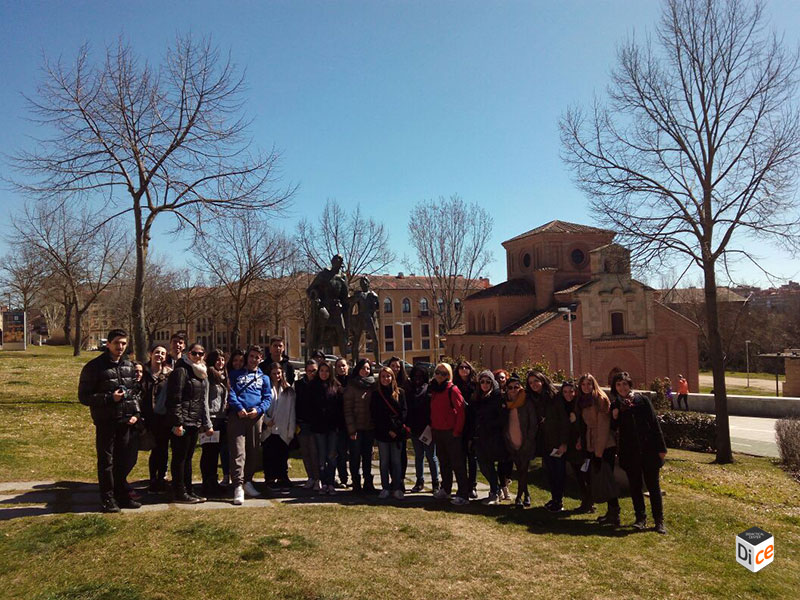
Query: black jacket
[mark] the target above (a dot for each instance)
(467, 389)
(386, 419)
(186, 397)
(553, 422)
(151, 388)
(99, 378)
(303, 404)
(575, 430)
(490, 422)
(286, 367)
(640, 439)
(419, 410)
(327, 412)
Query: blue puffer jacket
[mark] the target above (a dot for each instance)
(249, 389)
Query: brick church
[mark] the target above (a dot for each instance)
(619, 322)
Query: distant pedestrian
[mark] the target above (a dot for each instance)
(683, 392)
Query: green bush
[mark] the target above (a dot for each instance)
(689, 430)
(659, 395)
(787, 435)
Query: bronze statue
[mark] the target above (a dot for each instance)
(365, 321)
(329, 308)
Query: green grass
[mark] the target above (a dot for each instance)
(393, 550)
(743, 375)
(736, 390)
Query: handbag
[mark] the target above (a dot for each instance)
(603, 484)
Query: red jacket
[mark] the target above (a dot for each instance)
(447, 410)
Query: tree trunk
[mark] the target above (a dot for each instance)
(724, 454)
(68, 322)
(76, 341)
(137, 304)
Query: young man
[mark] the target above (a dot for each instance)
(248, 402)
(106, 385)
(683, 392)
(177, 344)
(277, 354)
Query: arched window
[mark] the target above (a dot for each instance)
(617, 323)
(457, 304)
(406, 305)
(423, 306)
(440, 305)
(482, 319)
(492, 322)
(387, 305)
(471, 322)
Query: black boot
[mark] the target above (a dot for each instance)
(640, 523)
(610, 518)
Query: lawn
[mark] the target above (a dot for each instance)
(753, 375)
(400, 550)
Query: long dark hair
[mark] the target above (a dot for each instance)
(213, 374)
(234, 354)
(331, 384)
(547, 385)
(471, 378)
(401, 377)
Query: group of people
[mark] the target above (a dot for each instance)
(248, 410)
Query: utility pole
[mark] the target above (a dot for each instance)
(569, 316)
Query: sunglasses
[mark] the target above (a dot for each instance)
(485, 381)
(463, 368)
(515, 387)
(196, 353)
(443, 373)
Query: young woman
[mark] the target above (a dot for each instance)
(466, 380)
(187, 388)
(342, 369)
(360, 427)
(488, 439)
(520, 435)
(419, 418)
(217, 408)
(326, 413)
(641, 449)
(279, 429)
(447, 424)
(389, 412)
(504, 468)
(599, 442)
(501, 377)
(236, 362)
(404, 383)
(154, 384)
(304, 412)
(576, 455)
(553, 434)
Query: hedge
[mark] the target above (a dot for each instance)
(689, 430)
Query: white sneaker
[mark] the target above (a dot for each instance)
(440, 494)
(309, 483)
(399, 494)
(238, 495)
(316, 485)
(459, 501)
(506, 493)
(384, 494)
(251, 491)
(492, 499)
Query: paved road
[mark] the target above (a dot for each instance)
(753, 436)
(759, 384)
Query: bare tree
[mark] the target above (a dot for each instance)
(172, 138)
(57, 304)
(362, 242)
(87, 257)
(450, 238)
(22, 273)
(237, 253)
(696, 149)
(192, 296)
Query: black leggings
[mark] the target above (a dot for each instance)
(650, 475)
(181, 466)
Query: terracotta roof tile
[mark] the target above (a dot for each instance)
(512, 287)
(561, 227)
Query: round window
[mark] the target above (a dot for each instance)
(578, 256)
(526, 260)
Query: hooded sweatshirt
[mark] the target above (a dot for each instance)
(249, 389)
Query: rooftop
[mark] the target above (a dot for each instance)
(512, 287)
(561, 227)
(694, 295)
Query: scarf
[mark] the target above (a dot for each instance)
(519, 402)
(585, 400)
(217, 376)
(200, 369)
(434, 386)
(366, 382)
(627, 402)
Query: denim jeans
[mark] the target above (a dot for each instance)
(326, 451)
(557, 473)
(421, 453)
(361, 456)
(490, 472)
(342, 452)
(636, 473)
(391, 465)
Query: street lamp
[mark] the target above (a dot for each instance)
(403, 337)
(569, 316)
(747, 354)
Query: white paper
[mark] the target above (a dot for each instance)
(586, 464)
(426, 437)
(555, 453)
(209, 439)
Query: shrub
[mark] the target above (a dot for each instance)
(689, 430)
(659, 395)
(787, 435)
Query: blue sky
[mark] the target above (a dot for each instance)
(379, 103)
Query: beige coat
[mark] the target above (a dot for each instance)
(598, 430)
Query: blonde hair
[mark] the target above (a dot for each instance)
(387, 369)
(447, 368)
(601, 400)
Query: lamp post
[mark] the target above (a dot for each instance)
(569, 316)
(403, 337)
(747, 355)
